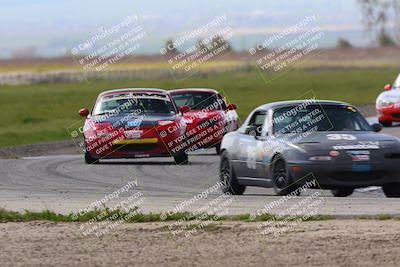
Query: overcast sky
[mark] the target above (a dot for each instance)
(54, 26)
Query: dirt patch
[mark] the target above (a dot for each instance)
(41, 149)
(335, 54)
(328, 243)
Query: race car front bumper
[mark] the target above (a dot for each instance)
(354, 174)
(388, 114)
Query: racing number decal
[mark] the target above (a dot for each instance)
(341, 137)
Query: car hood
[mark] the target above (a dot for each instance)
(195, 116)
(393, 95)
(202, 113)
(339, 140)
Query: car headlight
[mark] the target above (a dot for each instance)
(162, 123)
(320, 158)
(188, 121)
(385, 103)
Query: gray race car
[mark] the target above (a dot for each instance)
(285, 144)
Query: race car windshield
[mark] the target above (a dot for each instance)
(318, 118)
(197, 101)
(396, 83)
(115, 106)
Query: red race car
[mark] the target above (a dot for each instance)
(208, 118)
(134, 123)
(388, 104)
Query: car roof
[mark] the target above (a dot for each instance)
(128, 90)
(280, 104)
(189, 90)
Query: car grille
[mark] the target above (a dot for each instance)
(135, 147)
(396, 115)
(392, 156)
(357, 177)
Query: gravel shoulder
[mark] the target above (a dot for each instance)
(35, 150)
(328, 243)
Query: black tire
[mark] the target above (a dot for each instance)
(182, 158)
(218, 148)
(89, 159)
(386, 123)
(342, 191)
(392, 190)
(283, 184)
(228, 177)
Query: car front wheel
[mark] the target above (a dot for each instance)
(181, 158)
(283, 184)
(89, 159)
(228, 177)
(392, 190)
(386, 123)
(218, 148)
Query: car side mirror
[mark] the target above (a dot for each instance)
(253, 130)
(376, 127)
(184, 109)
(387, 87)
(84, 112)
(231, 106)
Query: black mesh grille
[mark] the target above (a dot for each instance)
(135, 147)
(357, 176)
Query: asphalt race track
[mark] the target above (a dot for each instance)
(65, 184)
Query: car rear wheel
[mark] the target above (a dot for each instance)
(386, 123)
(392, 190)
(228, 177)
(342, 192)
(181, 158)
(283, 184)
(89, 159)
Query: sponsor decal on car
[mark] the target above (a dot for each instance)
(361, 167)
(142, 155)
(134, 123)
(359, 155)
(133, 134)
(341, 137)
(358, 146)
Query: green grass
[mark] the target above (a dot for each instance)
(310, 63)
(39, 113)
(382, 217)
(47, 215)
(105, 214)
